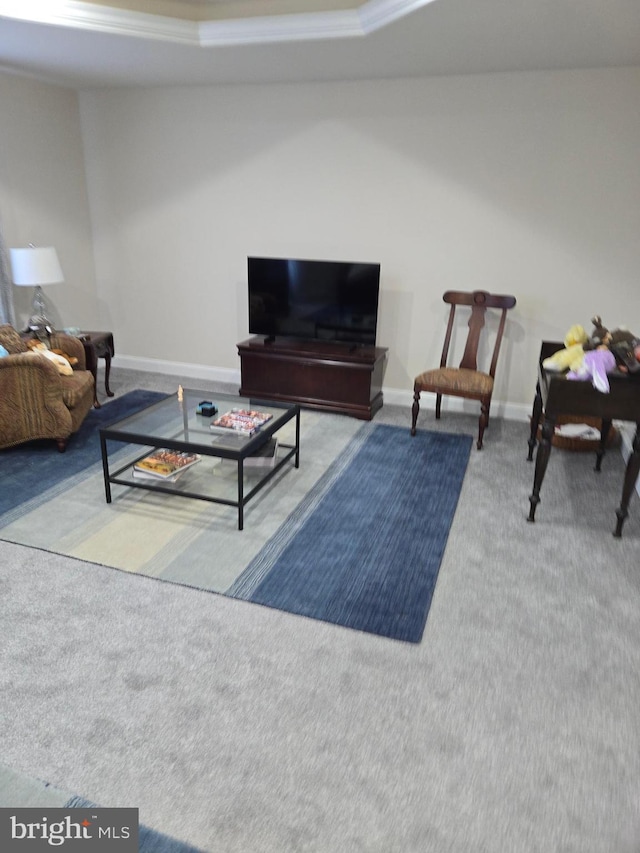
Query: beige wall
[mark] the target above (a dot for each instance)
(518, 183)
(43, 194)
(522, 183)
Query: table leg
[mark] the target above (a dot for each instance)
(535, 421)
(630, 479)
(96, 403)
(107, 371)
(605, 427)
(542, 458)
(240, 494)
(105, 468)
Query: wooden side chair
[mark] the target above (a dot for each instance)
(465, 381)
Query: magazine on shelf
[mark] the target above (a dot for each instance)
(265, 457)
(242, 421)
(164, 464)
(139, 474)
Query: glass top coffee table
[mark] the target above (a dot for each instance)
(225, 473)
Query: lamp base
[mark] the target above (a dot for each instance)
(39, 320)
(37, 305)
(39, 326)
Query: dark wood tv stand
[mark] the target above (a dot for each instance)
(334, 377)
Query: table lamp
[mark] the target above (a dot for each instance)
(36, 267)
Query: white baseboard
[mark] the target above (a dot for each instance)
(230, 376)
(226, 375)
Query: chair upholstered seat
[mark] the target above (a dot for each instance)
(456, 381)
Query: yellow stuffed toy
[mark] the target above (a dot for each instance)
(572, 356)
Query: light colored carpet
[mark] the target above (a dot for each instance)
(513, 726)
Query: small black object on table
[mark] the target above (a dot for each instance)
(98, 345)
(557, 395)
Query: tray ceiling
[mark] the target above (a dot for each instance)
(214, 10)
(87, 43)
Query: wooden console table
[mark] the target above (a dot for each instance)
(98, 345)
(316, 374)
(557, 395)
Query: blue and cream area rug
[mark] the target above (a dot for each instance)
(18, 790)
(354, 537)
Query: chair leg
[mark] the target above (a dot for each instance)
(484, 422)
(62, 444)
(414, 410)
(438, 405)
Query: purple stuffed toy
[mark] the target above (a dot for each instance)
(595, 366)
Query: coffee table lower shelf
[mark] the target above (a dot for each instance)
(242, 500)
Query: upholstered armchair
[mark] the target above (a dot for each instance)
(36, 401)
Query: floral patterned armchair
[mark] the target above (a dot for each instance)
(36, 401)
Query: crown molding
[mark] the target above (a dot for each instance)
(103, 19)
(347, 23)
(280, 28)
(376, 14)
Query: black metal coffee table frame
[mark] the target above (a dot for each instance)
(192, 438)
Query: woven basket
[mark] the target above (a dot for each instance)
(579, 444)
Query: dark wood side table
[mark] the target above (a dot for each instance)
(98, 345)
(556, 395)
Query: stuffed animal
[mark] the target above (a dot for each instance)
(70, 358)
(571, 356)
(33, 343)
(600, 335)
(626, 348)
(596, 363)
(620, 342)
(61, 363)
(575, 335)
(598, 359)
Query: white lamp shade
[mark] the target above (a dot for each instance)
(35, 266)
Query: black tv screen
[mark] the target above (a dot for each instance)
(319, 300)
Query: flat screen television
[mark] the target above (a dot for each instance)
(333, 301)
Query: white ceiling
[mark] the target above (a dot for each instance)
(89, 44)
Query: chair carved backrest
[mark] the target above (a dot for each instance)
(479, 301)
